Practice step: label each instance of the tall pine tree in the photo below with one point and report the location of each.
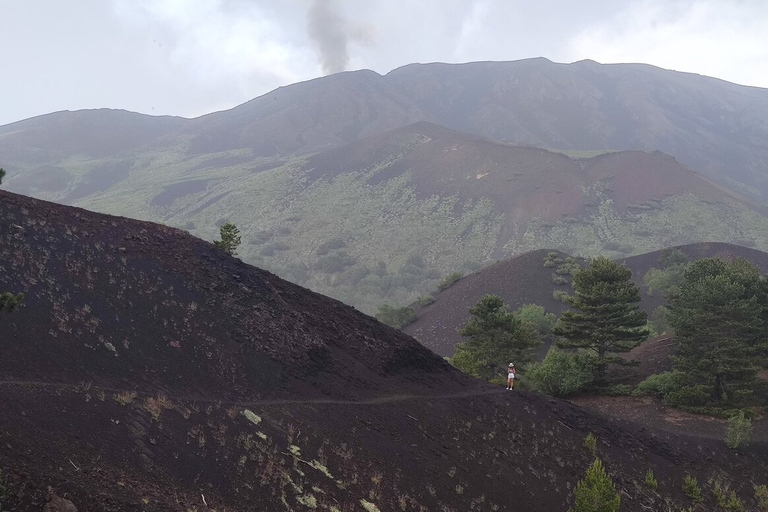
(604, 317)
(9, 301)
(496, 338)
(719, 316)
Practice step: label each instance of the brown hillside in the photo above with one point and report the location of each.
(146, 370)
(519, 280)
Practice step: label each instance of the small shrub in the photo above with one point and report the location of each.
(549, 263)
(650, 480)
(449, 280)
(560, 295)
(761, 496)
(561, 374)
(590, 443)
(395, 317)
(739, 430)
(425, 300)
(559, 280)
(596, 492)
(691, 489)
(659, 385)
(125, 398)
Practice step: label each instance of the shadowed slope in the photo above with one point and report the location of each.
(147, 370)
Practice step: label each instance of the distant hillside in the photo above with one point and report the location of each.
(525, 280)
(146, 370)
(383, 219)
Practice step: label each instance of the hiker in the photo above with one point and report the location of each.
(511, 376)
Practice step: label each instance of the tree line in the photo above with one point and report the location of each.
(717, 310)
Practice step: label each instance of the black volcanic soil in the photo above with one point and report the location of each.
(148, 371)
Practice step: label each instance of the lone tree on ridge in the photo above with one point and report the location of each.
(230, 238)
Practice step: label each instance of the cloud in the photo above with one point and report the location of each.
(230, 44)
(725, 39)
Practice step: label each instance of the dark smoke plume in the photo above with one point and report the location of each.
(328, 29)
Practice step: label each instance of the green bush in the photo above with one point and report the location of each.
(596, 492)
(650, 480)
(691, 489)
(761, 496)
(537, 317)
(659, 385)
(560, 295)
(739, 430)
(559, 280)
(590, 443)
(561, 374)
(449, 280)
(425, 300)
(395, 317)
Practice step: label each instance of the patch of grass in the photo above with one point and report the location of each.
(308, 500)
(156, 406)
(125, 397)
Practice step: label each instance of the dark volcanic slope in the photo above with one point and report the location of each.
(148, 371)
(524, 280)
(135, 304)
(519, 280)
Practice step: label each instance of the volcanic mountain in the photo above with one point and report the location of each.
(356, 185)
(147, 370)
(527, 279)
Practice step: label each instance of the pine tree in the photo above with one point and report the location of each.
(604, 316)
(596, 492)
(496, 338)
(719, 318)
(230, 238)
(2, 175)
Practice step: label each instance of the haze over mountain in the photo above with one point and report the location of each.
(148, 370)
(352, 185)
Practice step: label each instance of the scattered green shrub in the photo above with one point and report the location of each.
(761, 496)
(560, 295)
(692, 490)
(559, 280)
(449, 280)
(659, 385)
(650, 480)
(596, 492)
(561, 374)
(425, 300)
(395, 317)
(739, 430)
(590, 443)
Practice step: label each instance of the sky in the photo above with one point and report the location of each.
(192, 57)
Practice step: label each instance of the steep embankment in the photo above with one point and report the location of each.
(147, 370)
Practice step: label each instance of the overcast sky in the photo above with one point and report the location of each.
(191, 57)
